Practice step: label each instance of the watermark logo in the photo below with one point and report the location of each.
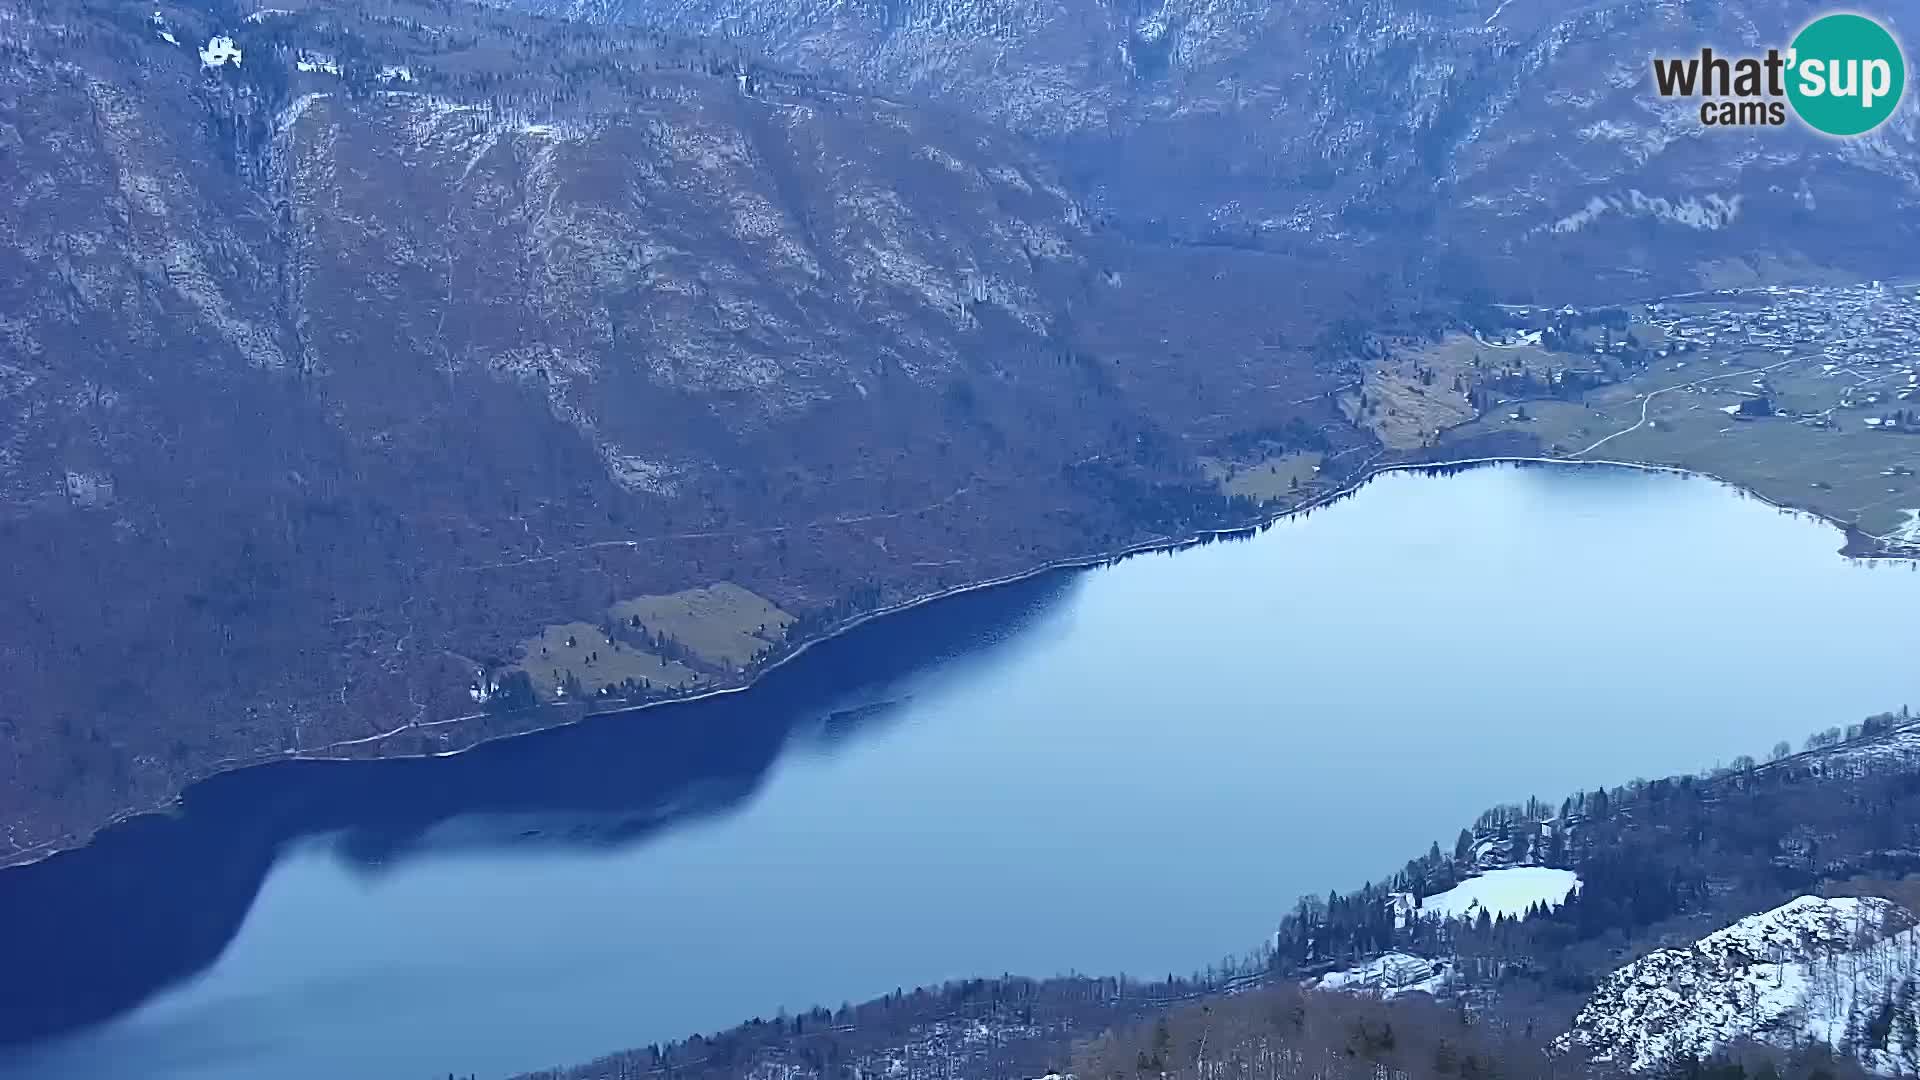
(1842, 75)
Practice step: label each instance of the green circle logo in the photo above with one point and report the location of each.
(1846, 74)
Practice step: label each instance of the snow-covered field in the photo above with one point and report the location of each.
(1835, 971)
(1506, 892)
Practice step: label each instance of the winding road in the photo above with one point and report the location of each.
(1647, 401)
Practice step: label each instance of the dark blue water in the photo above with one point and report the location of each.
(1136, 768)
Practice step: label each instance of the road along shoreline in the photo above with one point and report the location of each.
(1857, 546)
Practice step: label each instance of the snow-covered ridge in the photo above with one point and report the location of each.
(1898, 749)
(1837, 971)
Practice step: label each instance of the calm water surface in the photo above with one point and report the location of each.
(1136, 768)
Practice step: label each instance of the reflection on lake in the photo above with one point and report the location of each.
(1132, 768)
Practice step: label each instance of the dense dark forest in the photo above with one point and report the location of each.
(1006, 1028)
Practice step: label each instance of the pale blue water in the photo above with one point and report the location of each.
(1136, 768)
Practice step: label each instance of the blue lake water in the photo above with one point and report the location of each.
(1134, 768)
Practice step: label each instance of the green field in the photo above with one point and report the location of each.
(1837, 466)
(724, 624)
(1413, 395)
(1280, 477)
(589, 655)
(721, 626)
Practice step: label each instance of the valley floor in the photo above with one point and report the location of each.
(1806, 396)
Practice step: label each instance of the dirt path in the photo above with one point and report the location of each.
(1647, 401)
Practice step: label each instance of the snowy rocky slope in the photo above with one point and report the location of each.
(1836, 971)
(1528, 133)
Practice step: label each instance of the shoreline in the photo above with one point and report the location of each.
(28, 856)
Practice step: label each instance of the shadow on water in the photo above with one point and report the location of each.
(92, 933)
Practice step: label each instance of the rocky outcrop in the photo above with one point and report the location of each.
(1835, 971)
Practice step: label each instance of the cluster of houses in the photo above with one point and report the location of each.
(1866, 336)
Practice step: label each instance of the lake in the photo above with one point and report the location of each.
(1136, 768)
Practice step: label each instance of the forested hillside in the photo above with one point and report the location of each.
(350, 352)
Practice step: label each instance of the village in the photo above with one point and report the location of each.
(1861, 342)
(1808, 395)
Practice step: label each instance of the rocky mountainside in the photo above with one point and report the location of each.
(347, 351)
(1524, 136)
(1838, 972)
(377, 379)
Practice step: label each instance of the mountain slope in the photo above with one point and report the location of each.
(1526, 138)
(1838, 972)
(346, 353)
(360, 367)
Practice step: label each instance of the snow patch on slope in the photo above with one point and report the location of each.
(1388, 976)
(291, 115)
(1508, 892)
(219, 51)
(1705, 214)
(316, 62)
(1837, 971)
